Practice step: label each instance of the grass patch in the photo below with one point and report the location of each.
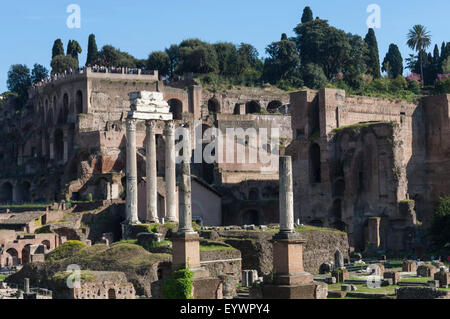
(356, 128)
(417, 279)
(3, 277)
(213, 247)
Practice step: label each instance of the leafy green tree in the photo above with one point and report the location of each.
(313, 76)
(73, 49)
(393, 62)
(61, 63)
(19, 80)
(282, 63)
(419, 39)
(307, 15)
(372, 57)
(92, 55)
(159, 60)
(38, 73)
(109, 56)
(58, 48)
(354, 66)
(323, 45)
(197, 56)
(227, 58)
(441, 224)
(446, 66)
(174, 56)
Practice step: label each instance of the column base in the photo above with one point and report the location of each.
(186, 250)
(313, 290)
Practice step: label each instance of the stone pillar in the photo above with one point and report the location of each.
(43, 146)
(151, 182)
(26, 285)
(52, 147)
(185, 201)
(66, 146)
(374, 233)
(171, 209)
(132, 213)
(286, 196)
(290, 280)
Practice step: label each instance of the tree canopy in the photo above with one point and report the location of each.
(393, 62)
(38, 73)
(159, 60)
(372, 56)
(63, 63)
(92, 55)
(58, 48)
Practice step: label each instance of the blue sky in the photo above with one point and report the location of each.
(29, 27)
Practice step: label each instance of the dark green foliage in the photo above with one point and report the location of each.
(38, 73)
(180, 286)
(73, 49)
(58, 48)
(372, 56)
(92, 55)
(174, 56)
(313, 76)
(67, 249)
(63, 63)
(441, 224)
(414, 87)
(197, 56)
(419, 39)
(160, 61)
(307, 15)
(227, 57)
(393, 62)
(109, 56)
(354, 66)
(282, 63)
(19, 80)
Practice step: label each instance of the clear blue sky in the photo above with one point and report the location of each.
(29, 27)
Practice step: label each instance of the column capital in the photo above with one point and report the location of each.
(150, 124)
(131, 124)
(169, 128)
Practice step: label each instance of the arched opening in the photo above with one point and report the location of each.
(159, 273)
(176, 108)
(46, 243)
(79, 102)
(314, 164)
(213, 106)
(337, 209)
(42, 115)
(59, 145)
(50, 117)
(339, 188)
(237, 109)
(314, 119)
(250, 217)
(65, 107)
(6, 192)
(26, 254)
(253, 194)
(12, 258)
(252, 107)
(274, 106)
(111, 294)
(23, 192)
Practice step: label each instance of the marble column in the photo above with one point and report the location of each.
(286, 195)
(171, 209)
(185, 200)
(132, 212)
(151, 181)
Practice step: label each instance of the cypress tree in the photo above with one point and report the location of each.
(372, 58)
(394, 60)
(58, 48)
(307, 15)
(92, 55)
(69, 47)
(284, 37)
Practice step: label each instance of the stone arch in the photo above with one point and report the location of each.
(252, 107)
(79, 102)
(176, 108)
(41, 114)
(273, 106)
(112, 293)
(6, 192)
(251, 217)
(22, 191)
(253, 194)
(59, 145)
(314, 118)
(237, 109)
(26, 256)
(315, 174)
(13, 257)
(65, 107)
(46, 243)
(336, 209)
(50, 117)
(213, 106)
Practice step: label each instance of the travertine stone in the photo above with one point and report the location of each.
(151, 185)
(132, 213)
(185, 207)
(171, 209)
(286, 196)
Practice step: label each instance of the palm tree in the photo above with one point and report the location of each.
(419, 39)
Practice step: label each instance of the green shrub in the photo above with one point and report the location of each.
(67, 249)
(441, 224)
(414, 87)
(180, 286)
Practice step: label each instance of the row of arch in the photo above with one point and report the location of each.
(19, 192)
(13, 258)
(251, 107)
(48, 109)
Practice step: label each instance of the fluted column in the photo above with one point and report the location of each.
(171, 208)
(286, 196)
(151, 182)
(132, 212)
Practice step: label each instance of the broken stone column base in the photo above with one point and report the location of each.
(207, 288)
(186, 250)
